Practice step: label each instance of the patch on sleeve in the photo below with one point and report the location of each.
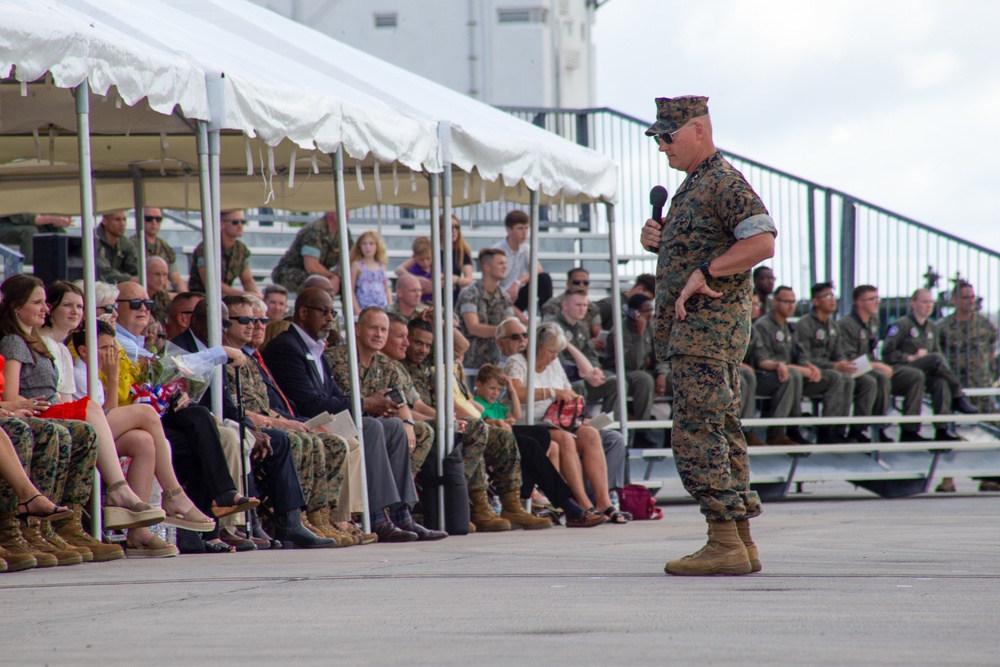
(893, 330)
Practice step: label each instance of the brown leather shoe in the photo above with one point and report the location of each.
(780, 440)
(752, 439)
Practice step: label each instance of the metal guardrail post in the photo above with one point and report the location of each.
(848, 254)
(828, 234)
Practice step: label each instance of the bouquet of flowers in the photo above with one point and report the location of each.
(171, 374)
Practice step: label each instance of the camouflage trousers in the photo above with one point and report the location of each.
(290, 277)
(321, 463)
(76, 486)
(485, 447)
(425, 442)
(40, 460)
(709, 449)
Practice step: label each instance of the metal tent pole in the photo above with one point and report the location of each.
(140, 232)
(529, 405)
(616, 316)
(82, 93)
(442, 423)
(210, 230)
(444, 136)
(347, 292)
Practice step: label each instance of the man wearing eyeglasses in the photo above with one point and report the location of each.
(234, 260)
(181, 309)
(152, 218)
(859, 332)
(716, 230)
(117, 258)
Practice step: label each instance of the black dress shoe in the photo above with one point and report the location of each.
(859, 436)
(912, 436)
(292, 533)
(236, 540)
(793, 433)
(962, 404)
(389, 532)
(945, 436)
(424, 534)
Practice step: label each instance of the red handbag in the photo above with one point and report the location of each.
(567, 415)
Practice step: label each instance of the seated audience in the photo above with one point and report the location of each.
(583, 445)
(577, 278)
(763, 286)
(518, 251)
(20, 229)
(303, 373)
(645, 283)
(117, 258)
(787, 382)
(157, 284)
(408, 303)
(858, 337)
(482, 306)
(152, 218)
(179, 315)
(276, 299)
(314, 252)
(234, 261)
(368, 262)
(912, 341)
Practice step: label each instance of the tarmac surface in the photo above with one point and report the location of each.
(847, 580)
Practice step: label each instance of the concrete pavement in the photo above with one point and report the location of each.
(846, 581)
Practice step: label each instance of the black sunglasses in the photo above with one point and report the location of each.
(246, 319)
(153, 218)
(517, 336)
(108, 308)
(585, 283)
(237, 222)
(136, 304)
(327, 312)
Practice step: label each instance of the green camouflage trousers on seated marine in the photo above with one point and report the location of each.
(39, 457)
(77, 476)
(484, 445)
(709, 449)
(425, 441)
(321, 462)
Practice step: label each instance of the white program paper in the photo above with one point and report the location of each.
(863, 366)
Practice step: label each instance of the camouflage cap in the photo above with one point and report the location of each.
(673, 112)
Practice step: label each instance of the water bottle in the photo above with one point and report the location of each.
(496, 504)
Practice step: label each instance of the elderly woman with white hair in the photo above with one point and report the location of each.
(580, 452)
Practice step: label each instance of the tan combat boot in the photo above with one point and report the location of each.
(17, 550)
(743, 529)
(723, 554)
(518, 518)
(483, 516)
(71, 530)
(15, 562)
(59, 543)
(32, 534)
(318, 522)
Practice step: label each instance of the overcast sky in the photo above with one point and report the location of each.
(896, 102)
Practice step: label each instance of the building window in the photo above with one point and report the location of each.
(386, 20)
(522, 15)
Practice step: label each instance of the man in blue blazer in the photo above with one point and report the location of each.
(296, 360)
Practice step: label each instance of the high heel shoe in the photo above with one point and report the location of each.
(59, 512)
(138, 515)
(193, 519)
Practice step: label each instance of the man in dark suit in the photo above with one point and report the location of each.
(273, 467)
(297, 362)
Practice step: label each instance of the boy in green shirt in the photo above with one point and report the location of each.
(490, 383)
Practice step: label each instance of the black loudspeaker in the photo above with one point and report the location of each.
(58, 257)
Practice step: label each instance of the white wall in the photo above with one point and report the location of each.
(544, 64)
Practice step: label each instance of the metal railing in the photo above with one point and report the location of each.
(11, 260)
(823, 233)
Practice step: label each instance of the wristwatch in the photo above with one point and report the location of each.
(409, 421)
(703, 267)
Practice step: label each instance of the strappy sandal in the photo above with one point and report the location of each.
(616, 516)
(193, 519)
(138, 515)
(226, 503)
(59, 512)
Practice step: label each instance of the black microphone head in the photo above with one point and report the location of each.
(658, 196)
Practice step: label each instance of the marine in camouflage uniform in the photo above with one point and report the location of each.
(859, 338)
(76, 478)
(161, 306)
(382, 373)
(713, 209)
(162, 249)
(314, 240)
(115, 263)
(970, 346)
(20, 230)
(234, 261)
(492, 309)
(320, 458)
(482, 445)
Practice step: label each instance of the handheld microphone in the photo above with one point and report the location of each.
(657, 198)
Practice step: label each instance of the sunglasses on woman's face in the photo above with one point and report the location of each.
(108, 308)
